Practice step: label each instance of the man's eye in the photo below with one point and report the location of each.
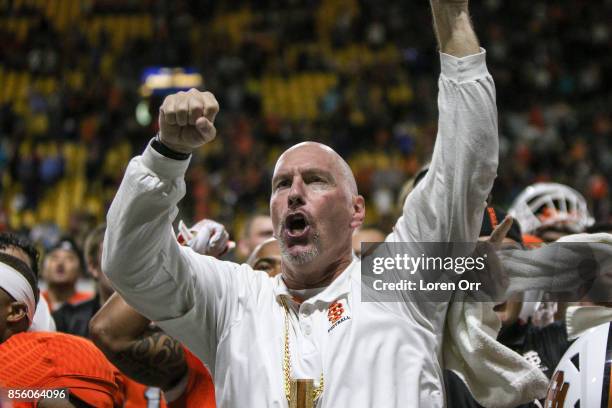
(263, 266)
(283, 183)
(316, 179)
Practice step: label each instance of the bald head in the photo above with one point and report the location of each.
(342, 168)
(315, 208)
(266, 257)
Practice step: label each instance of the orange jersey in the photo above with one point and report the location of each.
(78, 297)
(58, 360)
(138, 395)
(200, 391)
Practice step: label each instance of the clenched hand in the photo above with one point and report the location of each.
(186, 120)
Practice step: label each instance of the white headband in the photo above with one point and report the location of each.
(16, 285)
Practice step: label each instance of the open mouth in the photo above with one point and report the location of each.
(296, 225)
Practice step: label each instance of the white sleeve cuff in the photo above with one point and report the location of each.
(163, 166)
(464, 69)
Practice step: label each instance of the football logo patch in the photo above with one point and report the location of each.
(336, 315)
(335, 312)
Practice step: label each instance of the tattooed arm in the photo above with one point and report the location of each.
(148, 356)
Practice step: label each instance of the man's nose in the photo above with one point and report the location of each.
(296, 194)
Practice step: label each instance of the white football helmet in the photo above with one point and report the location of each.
(582, 377)
(551, 204)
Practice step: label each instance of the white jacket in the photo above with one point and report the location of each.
(377, 354)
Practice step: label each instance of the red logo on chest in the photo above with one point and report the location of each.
(335, 312)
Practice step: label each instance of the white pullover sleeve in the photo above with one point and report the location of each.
(447, 205)
(194, 298)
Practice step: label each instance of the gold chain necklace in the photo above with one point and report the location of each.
(316, 392)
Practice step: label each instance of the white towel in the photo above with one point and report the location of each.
(579, 319)
(495, 375)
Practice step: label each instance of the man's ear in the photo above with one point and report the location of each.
(358, 212)
(17, 312)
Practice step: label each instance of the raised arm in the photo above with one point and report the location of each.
(447, 204)
(190, 296)
(453, 28)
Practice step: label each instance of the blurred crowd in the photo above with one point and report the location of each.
(358, 75)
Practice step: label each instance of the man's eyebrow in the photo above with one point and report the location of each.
(306, 172)
(316, 171)
(280, 176)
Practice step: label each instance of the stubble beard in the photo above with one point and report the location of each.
(302, 257)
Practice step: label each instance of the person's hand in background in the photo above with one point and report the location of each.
(206, 237)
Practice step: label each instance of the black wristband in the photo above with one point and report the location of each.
(166, 151)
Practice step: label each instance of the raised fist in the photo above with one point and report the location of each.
(186, 120)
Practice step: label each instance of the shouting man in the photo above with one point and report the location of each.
(258, 335)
